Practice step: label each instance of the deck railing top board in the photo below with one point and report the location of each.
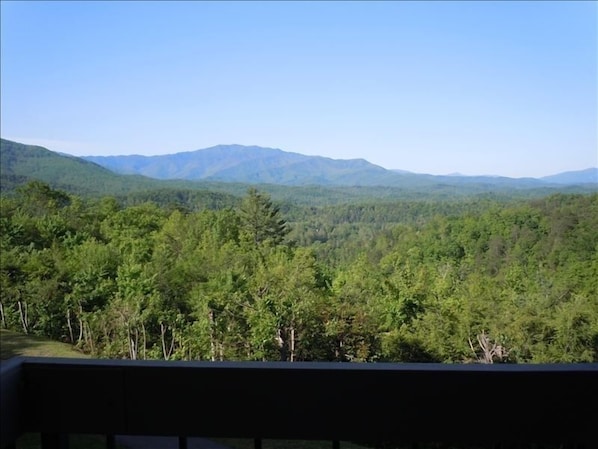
(313, 400)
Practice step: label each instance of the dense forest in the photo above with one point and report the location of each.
(471, 280)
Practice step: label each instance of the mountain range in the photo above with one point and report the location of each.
(221, 174)
(248, 164)
(254, 164)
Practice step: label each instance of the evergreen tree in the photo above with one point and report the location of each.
(261, 219)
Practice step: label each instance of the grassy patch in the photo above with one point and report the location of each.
(14, 344)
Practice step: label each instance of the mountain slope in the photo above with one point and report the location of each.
(589, 176)
(229, 170)
(251, 164)
(20, 163)
(259, 165)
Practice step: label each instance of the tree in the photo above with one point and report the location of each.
(261, 219)
(40, 199)
(283, 317)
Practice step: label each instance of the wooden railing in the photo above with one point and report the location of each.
(460, 403)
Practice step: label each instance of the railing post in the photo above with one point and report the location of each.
(257, 443)
(110, 442)
(11, 398)
(182, 442)
(336, 444)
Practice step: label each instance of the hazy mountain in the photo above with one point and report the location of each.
(21, 163)
(589, 176)
(222, 174)
(250, 164)
(253, 164)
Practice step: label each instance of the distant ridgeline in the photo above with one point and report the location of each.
(258, 165)
(219, 176)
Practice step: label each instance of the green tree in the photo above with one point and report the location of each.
(261, 219)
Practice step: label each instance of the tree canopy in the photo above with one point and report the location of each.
(480, 281)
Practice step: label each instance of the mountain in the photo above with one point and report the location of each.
(221, 175)
(587, 176)
(259, 165)
(250, 164)
(20, 163)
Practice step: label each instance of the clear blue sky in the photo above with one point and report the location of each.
(477, 87)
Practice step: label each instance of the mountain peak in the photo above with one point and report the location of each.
(252, 164)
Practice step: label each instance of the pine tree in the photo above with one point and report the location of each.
(261, 219)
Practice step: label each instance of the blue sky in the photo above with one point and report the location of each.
(476, 87)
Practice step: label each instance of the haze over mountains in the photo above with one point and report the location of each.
(254, 164)
(227, 170)
(249, 164)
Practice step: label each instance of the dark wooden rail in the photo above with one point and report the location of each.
(308, 401)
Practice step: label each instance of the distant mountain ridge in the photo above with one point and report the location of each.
(20, 163)
(250, 164)
(589, 175)
(226, 171)
(254, 164)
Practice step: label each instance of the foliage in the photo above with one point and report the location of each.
(261, 220)
(467, 281)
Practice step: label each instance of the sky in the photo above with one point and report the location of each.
(474, 87)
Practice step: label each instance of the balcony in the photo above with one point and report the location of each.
(410, 403)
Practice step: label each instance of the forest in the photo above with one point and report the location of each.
(474, 280)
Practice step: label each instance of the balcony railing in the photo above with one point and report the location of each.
(465, 403)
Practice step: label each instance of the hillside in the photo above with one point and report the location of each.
(20, 163)
(330, 181)
(251, 164)
(259, 165)
(589, 175)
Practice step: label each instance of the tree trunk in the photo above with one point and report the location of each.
(281, 345)
(80, 331)
(292, 344)
(132, 344)
(132, 349)
(165, 352)
(80, 324)
(2, 315)
(88, 336)
(68, 323)
(341, 350)
(212, 343)
(144, 341)
(162, 340)
(23, 316)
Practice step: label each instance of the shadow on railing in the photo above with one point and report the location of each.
(468, 404)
